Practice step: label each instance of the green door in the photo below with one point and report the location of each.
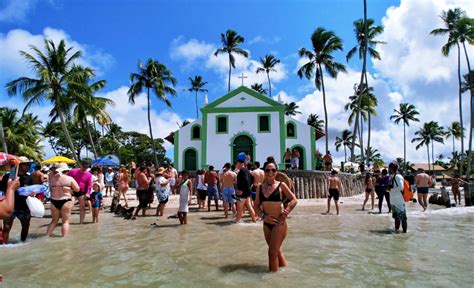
(190, 160)
(242, 143)
(302, 162)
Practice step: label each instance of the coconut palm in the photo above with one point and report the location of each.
(405, 113)
(345, 141)
(451, 20)
(314, 121)
(324, 44)
(259, 88)
(436, 133)
(454, 131)
(197, 85)
(156, 76)
(372, 155)
(373, 32)
(465, 86)
(54, 74)
(290, 109)
(422, 136)
(268, 65)
(230, 42)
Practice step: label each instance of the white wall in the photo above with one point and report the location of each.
(218, 145)
(249, 101)
(185, 142)
(303, 138)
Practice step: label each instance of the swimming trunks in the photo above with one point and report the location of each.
(334, 193)
(228, 194)
(142, 198)
(58, 204)
(423, 190)
(212, 192)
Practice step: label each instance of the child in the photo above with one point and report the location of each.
(96, 198)
(184, 198)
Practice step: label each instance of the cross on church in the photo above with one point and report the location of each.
(242, 77)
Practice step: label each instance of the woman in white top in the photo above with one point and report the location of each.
(184, 197)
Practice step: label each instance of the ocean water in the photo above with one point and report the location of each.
(356, 249)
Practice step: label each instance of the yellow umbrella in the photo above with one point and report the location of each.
(59, 159)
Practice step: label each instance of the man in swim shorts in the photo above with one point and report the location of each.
(211, 180)
(228, 181)
(335, 188)
(243, 190)
(423, 184)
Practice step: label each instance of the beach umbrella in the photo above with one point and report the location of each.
(5, 158)
(108, 160)
(58, 159)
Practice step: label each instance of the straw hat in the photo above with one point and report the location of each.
(161, 170)
(61, 167)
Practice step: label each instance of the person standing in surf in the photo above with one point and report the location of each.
(335, 188)
(186, 188)
(269, 205)
(399, 212)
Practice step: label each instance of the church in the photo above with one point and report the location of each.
(242, 121)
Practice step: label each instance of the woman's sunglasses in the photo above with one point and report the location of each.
(270, 170)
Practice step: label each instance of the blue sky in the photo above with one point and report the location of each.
(114, 35)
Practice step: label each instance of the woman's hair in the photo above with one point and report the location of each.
(267, 163)
(124, 172)
(142, 168)
(384, 171)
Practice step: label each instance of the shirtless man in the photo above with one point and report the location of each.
(257, 175)
(228, 180)
(423, 184)
(335, 188)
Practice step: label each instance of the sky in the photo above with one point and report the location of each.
(115, 35)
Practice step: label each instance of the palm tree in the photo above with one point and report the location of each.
(198, 86)
(450, 19)
(230, 42)
(345, 140)
(405, 113)
(371, 155)
(324, 43)
(423, 138)
(454, 131)
(259, 88)
(436, 133)
(465, 86)
(314, 121)
(54, 72)
(373, 32)
(154, 76)
(290, 109)
(268, 65)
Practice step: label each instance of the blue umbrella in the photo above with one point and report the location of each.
(109, 160)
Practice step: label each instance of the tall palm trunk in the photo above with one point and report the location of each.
(2, 134)
(460, 109)
(197, 112)
(98, 141)
(68, 136)
(325, 108)
(454, 148)
(432, 154)
(90, 138)
(345, 155)
(369, 120)
(269, 84)
(471, 84)
(151, 131)
(364, 64)
(230, 67)
(428, 150)
(361, 141)
(405, 168)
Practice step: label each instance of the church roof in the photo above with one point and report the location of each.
(262, 100)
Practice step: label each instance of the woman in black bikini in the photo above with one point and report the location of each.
(61, 187)
(269, 205)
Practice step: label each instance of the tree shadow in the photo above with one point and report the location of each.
(251, 268)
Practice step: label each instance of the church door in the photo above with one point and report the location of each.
(190, 160)
(302, 161)
(242, 143)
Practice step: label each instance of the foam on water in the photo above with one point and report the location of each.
(444, 212)
(11, 246)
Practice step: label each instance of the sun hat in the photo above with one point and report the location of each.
(241, 157)
(23, 159)
(61, 167)
(161, 170)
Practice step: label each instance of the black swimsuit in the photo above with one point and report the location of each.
(58, 204)
(274, 197)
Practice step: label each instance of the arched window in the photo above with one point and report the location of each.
(290, 130)
(196, 132)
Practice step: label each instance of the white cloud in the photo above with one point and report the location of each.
(261, 39)
(190, 51)
(16, 10)
(13, 65)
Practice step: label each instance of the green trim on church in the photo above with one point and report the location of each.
(249, 91)
(313, 147)
(176, 148)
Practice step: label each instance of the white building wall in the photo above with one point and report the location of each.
(243, 100)
(219, 145)
(186, 142)
(303, 138)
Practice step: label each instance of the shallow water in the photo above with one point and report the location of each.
(353, 250)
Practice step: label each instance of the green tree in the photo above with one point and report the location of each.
(345, 141)
(54, 73)
(197, 85)
(290, 109)
(454, 131)
(259, 88)
(22, 133)
(230, 42)
(436, 133)
(268, 65)
(422, 136)
(314, 121)
(158, 77)
(324, 44)
(373, 32)
(406, 113)
(372, 155)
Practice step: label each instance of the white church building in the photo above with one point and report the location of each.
(242, 121)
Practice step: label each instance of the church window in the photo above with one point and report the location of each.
(196, 132)
(290, 130)
(221, 123)
(264, 123)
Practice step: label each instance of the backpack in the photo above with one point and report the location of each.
(407, 192)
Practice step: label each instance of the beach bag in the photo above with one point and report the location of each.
(35, 206)
(407, 192)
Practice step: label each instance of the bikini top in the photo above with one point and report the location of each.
(274, 197)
